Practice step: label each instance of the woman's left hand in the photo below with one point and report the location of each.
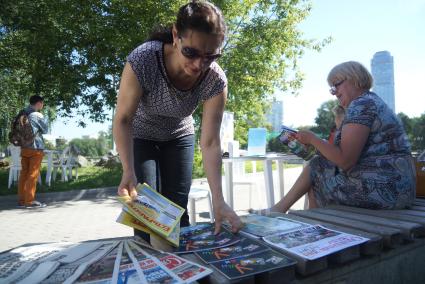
(305, 137)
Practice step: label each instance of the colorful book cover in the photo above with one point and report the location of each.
(314, 241)
(243, 248)
(259, 262)
(261, 226)
(201, 237)
(127, 219)
(154, 210)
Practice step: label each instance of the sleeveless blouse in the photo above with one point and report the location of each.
(164, 112)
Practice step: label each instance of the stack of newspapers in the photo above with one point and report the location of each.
(152, 213)
(114, 261)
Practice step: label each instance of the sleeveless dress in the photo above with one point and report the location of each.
(384, 176)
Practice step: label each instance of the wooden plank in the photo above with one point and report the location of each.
(392, 237)
(408, 229)
(385, 214)
(372, 247)
(418, 208)
(419, 201)
(409, 212)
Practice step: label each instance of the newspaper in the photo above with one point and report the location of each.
(19, 261)
(104, 270)
(185, 270)
(149, 269)
(67, 273)
(314, 241)
(260, 226)
(154, 210)
(127, 219)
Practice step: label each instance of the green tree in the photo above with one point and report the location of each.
(418, 133)
(72, 52)
(325, 119)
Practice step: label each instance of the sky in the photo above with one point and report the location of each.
(359, 29)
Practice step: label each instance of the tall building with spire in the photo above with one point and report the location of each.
(382, 65)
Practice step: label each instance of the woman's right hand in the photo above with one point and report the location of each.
(128, 185)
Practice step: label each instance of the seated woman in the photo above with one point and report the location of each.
(370, 164)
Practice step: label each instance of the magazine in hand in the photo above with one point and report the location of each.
(259, 226)
(303, 151)
(127, 219)
(243, 248)
(201, 237)
(154, 210)
(252, 264)
(313, 242)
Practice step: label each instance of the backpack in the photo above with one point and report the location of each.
(21, 133)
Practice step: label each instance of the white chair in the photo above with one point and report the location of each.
(240, 177)
(197, 193)
(65, 163)
(15, 167)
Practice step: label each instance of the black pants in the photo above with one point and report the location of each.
(167, 167)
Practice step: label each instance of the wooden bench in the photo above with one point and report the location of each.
(395, 252)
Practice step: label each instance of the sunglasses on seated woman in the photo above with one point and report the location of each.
(193, 53)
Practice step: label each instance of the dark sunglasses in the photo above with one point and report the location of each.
(193, 53)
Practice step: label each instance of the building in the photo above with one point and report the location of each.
(382, 65)
(275, 117)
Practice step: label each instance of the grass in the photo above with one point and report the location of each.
(89, 177)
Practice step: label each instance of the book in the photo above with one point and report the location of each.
(303, 151)
(259, 226)
(252, 264)
(127, 219)
(154, 210)
(201, 237)
(313, 242)
(245, 247)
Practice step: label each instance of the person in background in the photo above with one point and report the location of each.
(370, 164)
(163, 82)
(339, 114)
(32, 155)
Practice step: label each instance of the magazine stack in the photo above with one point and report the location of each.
(152, 213)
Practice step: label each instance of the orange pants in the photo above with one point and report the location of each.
(31, 164)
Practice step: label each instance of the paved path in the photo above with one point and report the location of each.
(91, 215)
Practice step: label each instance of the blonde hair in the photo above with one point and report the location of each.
(352, 71)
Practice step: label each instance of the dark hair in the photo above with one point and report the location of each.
(35, 99)
(200, 16)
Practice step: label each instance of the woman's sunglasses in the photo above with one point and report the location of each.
(193, 53)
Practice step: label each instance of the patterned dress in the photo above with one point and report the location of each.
(384, 176)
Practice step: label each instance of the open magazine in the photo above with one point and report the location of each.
(313, 242)
(258, 226)
(154, 210)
